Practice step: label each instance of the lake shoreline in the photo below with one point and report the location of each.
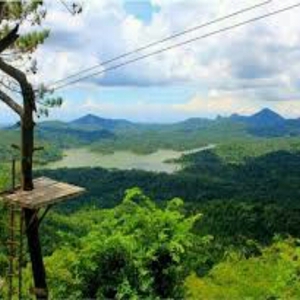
(160, 161)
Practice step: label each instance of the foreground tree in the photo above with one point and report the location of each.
(133, 251)
(18, 93)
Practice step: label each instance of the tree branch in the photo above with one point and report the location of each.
(21, 78)
(11, 103)
(13, 72)
(9, 39)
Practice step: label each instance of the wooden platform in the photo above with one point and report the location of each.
(46, 192)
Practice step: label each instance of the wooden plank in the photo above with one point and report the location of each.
(59, 196)
(46, 192)
(43, 181)
(51, 193)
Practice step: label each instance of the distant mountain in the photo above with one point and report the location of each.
(91, 128)
(92, 122)
(14, 126)
(196, 122)
(70, 134)
(111, 134)
(5, 125)
(265, 117)
(265, 123)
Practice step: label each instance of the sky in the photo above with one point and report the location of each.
(239, 71)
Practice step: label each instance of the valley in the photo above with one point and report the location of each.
(225, 190)
(149, 150)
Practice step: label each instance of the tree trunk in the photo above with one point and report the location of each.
(31, 219)
(27, 149)
(36, 257)
(27, 145)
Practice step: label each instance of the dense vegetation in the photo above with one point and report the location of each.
(272, 275)
(109, 136)
(133, 251)
(244, 246)
(224, 173)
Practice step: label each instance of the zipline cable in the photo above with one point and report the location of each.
(174, 36)
(228, 28)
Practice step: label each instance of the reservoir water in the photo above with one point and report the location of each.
(123, 160)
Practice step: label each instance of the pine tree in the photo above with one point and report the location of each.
(17, 48)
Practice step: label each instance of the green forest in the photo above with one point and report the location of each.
(226, 226)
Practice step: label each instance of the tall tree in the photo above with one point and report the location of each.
(18, 93)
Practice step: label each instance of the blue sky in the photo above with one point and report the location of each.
(241, 71)
(142, 9)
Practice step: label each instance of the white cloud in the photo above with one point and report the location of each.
(142, 111)
(216, 105)
(244, 68)
(105, 30)
(288, 108)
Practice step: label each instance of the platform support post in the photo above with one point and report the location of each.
(32, 232)
(35, 250)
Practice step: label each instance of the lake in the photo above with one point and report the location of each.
(123, 160)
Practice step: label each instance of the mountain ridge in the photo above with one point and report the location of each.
(263, 114)
(109, 135)
(264, 117)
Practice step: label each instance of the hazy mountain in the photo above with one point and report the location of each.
(265, 117)
(91, 129)
(194, 123)
(93, 122)
(265, 123)
(4, 125)
(66, 134)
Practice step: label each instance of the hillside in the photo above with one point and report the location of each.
(92, 122)
(247, 194)
(246, 191)
(267, 123)
(108, 135)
